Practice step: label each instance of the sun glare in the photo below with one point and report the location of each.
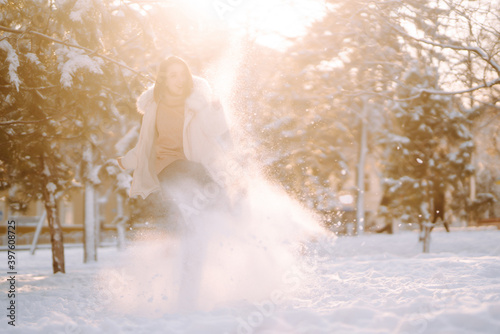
(269, 22)
(272, 22)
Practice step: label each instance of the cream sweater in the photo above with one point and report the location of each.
(169, 125)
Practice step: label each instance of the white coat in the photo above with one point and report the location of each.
(205, 137)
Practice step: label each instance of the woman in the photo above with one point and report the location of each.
(182, 140)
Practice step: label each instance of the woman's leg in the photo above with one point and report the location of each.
(190, 189)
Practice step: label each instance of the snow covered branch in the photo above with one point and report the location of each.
(20, 122)
(463, 91)
(92, 52)
(480, 52)
(457, 47)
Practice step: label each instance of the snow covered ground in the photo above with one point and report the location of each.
(367, 284)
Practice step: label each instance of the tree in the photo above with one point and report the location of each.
(351, 70)
(429, 151)
(69, 80)
(59, 85)
(459, 40)
(330, 87)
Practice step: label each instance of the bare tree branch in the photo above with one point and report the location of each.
(480, 52)
(463, 91)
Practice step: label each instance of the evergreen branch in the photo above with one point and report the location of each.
(21, 122)
(30, 88)
(39, 88)
(91, 52)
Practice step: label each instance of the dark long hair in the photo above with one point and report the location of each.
(161, 77)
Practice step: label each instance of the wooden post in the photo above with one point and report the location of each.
(38, 231)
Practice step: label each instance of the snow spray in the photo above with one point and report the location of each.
(222, 255)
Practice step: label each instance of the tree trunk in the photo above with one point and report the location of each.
(471, 219)
(425, 211)
(120, 224)
(426, 240)
(360, 177)
(56, 234)
(89, 230)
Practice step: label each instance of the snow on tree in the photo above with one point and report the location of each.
(325, 101)
(429, 153)
(59, 87)
(458, 41)
(352, 69)
(71, 72)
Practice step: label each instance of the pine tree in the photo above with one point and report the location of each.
(326, 99)
(59, 86)
(428, 153)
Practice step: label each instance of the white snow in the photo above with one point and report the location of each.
(51, 187)
(13, 61)
(33, 58)
(87, 154)
(123, 181)
(60, 3)
(81, 8)
(93, 174)
(366, 284)
(71, 60)
(393, 138)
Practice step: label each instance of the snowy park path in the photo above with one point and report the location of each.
(368, 284)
